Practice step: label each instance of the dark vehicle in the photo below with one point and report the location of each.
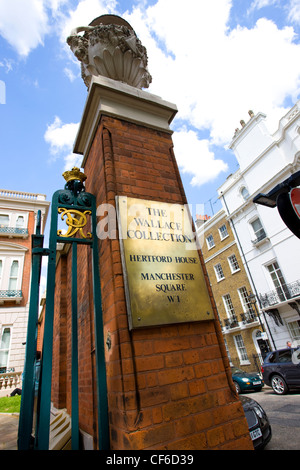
(258, 423)
(281, 370)
(246, 381)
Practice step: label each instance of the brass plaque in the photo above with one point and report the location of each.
(164, 281)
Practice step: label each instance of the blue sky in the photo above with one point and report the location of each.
(215, 59)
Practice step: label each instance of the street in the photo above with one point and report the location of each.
(284, 416)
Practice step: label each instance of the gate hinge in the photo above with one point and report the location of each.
(41, 251)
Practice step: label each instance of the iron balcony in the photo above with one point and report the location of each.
(280, 294)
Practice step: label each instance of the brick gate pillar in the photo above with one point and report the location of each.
(169, 386)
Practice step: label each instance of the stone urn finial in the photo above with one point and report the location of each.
(110, 47)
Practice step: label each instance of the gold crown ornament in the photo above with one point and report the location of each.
(74, 174)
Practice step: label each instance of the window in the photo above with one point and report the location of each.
(13, 278)
(245, 193)
(278, 281)
(245, 299)
(284, 356)
(4, 347)
(233, 263)
(11, 273)
(228, 305)
(4, 220)
(210, 241)
(249, 314)
(20, 221)
(241, 349)
(258, 230)
(14, 224)
(219, 272)
(223, 232)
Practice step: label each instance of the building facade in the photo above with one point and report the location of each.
(242, 328)
(269, 250)
(18, 211)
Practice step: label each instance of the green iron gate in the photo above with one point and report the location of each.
(76, 205)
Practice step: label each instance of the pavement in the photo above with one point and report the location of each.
(9, 424)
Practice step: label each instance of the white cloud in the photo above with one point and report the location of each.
(85, 12)
(7, 64)
(195, 158)
(294, 11)
(72, 160)
(258, 4)
(23, 23)
(215, 75)
(70, 74)
(61, 138)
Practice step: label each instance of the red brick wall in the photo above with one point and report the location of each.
(59, 376)
(168, 387)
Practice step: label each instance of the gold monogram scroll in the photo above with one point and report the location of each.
(75, 221)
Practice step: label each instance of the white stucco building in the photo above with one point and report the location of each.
(18, 215)
(269, 250)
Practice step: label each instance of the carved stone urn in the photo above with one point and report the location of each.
(109, 47)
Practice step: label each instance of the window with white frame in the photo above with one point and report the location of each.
(13, 224)
(223, 232)
(233, 263)
(278, 281)
(258, 230)
(219, 272)
(244, 297)
(4, 220)
(13, 277)
(4, 346)
(245, 193)
(228, 305)
(20, 221)
(241, 349)
(11, 270)
(210, 241)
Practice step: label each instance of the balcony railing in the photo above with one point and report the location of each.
(13, 231)
(22, 195)
(14, 295)
(280, 294)
(10, 380)
(261, 236)
(235, 321)
(231, 322)
(248, 317)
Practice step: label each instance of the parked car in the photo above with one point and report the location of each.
(281, 370)
(258, 423)
(246, 381)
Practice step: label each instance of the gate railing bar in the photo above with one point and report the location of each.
(43, 414)
(103, 424)
(75, 409)
(28, 382)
